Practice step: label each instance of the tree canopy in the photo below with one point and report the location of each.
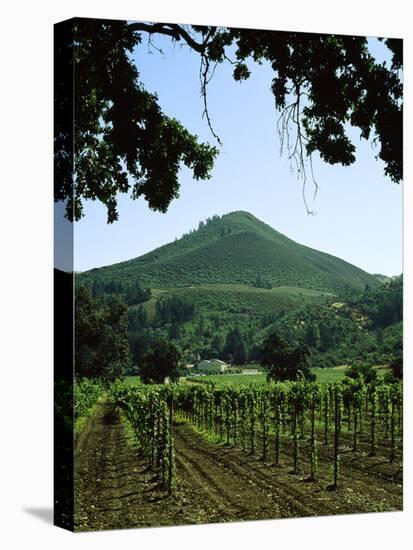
(283, 361)
(366, 372)
(160, 361)
(101, 335)
(124, 142)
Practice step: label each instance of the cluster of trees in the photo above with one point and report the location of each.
(213, 218)
(160, 361)
(110, 337)
(196, 333)
(211, 226)
(235, 350)
(262, 282)
(320, 327)
(334, 333)
(172, 313)
(222, 337)
(369, 374)
(137, 319)
(367, 328)
(131, 291)
(283, 361)
(383, 305)
(102, 344)
(101, 335)
(225, 231)
(174, 309)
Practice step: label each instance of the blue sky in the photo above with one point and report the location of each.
(359, 210)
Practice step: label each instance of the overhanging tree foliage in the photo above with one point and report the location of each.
(125, 143)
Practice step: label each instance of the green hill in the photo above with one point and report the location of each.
(218, 290)
(236, 249)
(382, 278)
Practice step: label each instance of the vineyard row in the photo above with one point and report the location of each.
(262, 418)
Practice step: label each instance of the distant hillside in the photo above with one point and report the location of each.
(236, 248)
(218, 290)
(382, 278)
(367, 327)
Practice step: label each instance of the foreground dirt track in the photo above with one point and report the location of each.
(215, 483)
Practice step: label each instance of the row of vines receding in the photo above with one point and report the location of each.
(293, 419)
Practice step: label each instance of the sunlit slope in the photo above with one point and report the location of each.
(237, 249)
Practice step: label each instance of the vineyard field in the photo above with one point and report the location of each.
(335, 374)
(199, 453)
(323, 376)
(232, 379)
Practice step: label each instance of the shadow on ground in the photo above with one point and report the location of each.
(44, 514)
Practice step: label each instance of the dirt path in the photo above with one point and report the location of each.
(217, 493)
(113, 487)
(367, 484)
(215, 483)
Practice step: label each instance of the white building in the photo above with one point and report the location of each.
(211, 366)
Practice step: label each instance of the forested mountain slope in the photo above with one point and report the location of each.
(236, 248)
